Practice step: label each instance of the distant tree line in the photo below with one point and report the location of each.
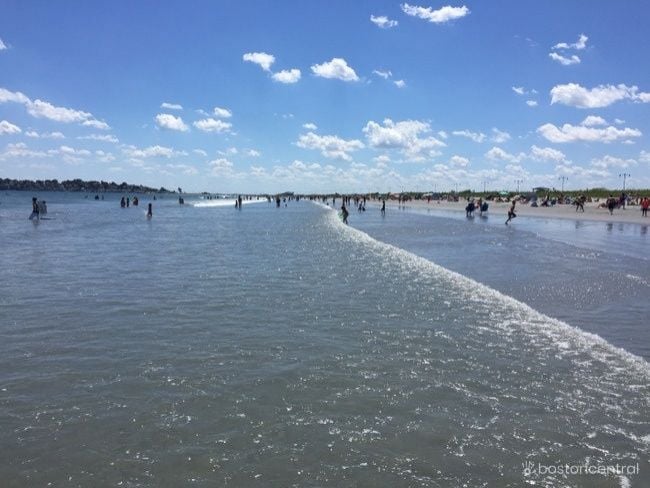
(77, 185)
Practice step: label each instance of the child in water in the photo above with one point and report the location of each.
(344, 214)
(511, 212)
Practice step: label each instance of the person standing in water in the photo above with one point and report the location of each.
(383, 207)
(239, 200)
(150, 211)
(35, 212)
(344, 214)
(511, 212)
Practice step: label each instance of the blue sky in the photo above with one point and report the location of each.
(323, 96)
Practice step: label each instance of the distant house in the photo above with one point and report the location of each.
(541, 189)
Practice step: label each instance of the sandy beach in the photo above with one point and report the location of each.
(632, 214)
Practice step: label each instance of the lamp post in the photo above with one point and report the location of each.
(563, 179)
(624, 176)
(484, 184)
(518, 183)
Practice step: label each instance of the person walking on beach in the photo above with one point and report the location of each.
(645, 204)
(611, 203)
(35, 212)
(344, 214)
(511, 212)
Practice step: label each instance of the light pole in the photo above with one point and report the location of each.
(518, 183)
(625, 176)
(563, 179)
(484, 184)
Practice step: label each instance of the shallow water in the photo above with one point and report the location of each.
(277, 347)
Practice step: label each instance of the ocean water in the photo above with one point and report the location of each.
(211, 346)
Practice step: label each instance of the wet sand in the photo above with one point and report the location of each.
(632, 214)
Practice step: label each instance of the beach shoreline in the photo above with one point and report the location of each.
(631, 215)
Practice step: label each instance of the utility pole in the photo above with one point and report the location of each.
(625, 176)
(563, 179)
(518, 183)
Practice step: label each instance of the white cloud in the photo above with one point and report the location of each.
(444, 14)
(3, 46)
(608, 161)
(519, 90)
(574, 95)
(309, 126)
(404, 136)
(383, 22)
(200, 152)
(264, 60)
(593, 120)
(221, 167)
(171, 106)
(41, 109)
(384, 74)
(572, 133)
(337, 68)
(151, 152)
(459, 161)
(253, 153)
(475, 136)
(644, 157)
(563, 60)
(100, 137)
(222, 113)
(330, 146)
(531, 103)
(287, 76)
(213, 125)
(443, 134)
(97, 124)
(546, 154)
(400, 83)
(16, 97)
(498, 154)
(168, 121)
(580, 44)
(499, 136)
(104, 157)
(20, 150)
(45, 135)
(619, 121)
(7, 127)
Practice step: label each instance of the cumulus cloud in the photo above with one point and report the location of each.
(151, 152)
(383, 22)
(406, 136)
(383, 74)
(253, 153)
(330, 146)
(100, 137)
(575, 133)
(3, 46)
(7, 127)
(563, 59)
(442, 15)
(213, 125)
(41, 109)
(97, 124)
(546, 154)
(171, 106)
(574, 95)
(20, 150)
(264, 60)
(499, 136)
(474, 136)
(287, 76)
(519, 90)
(498, 154)
(580, 44)
(221, 167)
(200, 152)
(608, 161)
(15, 97)
(593, 120)
(169, 122)
(222, 113)
(458, 161)
(337, 68)
(400, 83)
(531, 103)
(309, 126)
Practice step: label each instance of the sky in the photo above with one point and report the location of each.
(324, 96)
